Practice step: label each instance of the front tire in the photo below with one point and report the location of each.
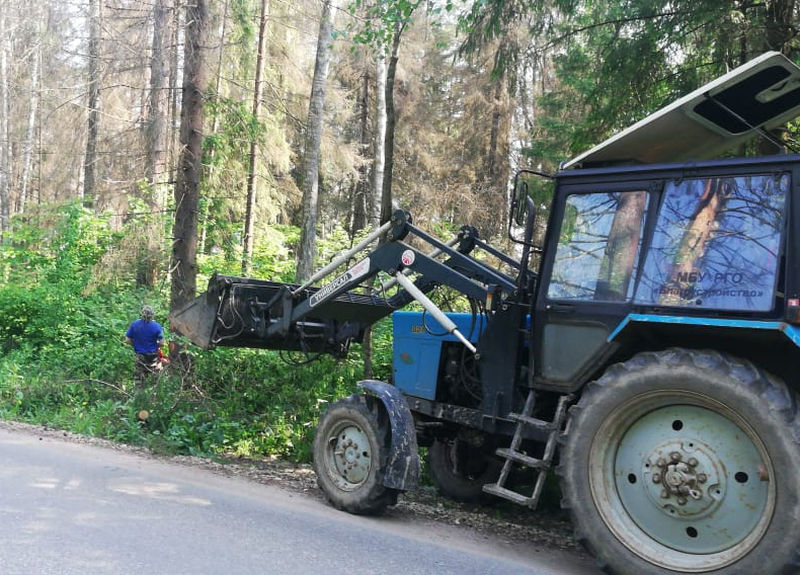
(685, 462)
(350, 451)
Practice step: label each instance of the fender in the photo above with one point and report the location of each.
(777, 327)
(402, 467)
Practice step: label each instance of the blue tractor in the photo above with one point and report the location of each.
(645, 348)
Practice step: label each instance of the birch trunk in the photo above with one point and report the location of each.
(93, 105)
(391, 119)
(308, 238)
(30, 133)
(5, 142)
(380, 142)
(360, 207)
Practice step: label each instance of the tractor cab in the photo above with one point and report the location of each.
(650, 242)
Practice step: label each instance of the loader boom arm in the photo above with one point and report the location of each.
(244, 312)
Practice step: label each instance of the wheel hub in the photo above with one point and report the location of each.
(691, 479)
(350, 456)
(684, 478)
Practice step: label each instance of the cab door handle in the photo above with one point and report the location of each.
(562, 308)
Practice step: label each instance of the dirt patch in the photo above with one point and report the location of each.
(548, 527)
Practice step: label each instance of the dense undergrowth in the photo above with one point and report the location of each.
(67, 296)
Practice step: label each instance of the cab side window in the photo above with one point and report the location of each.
(716, 244)
(598, 247)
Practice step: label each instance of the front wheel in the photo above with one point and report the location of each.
(684, 462)
(350, 451)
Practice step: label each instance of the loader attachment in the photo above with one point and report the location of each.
(239, 312)
(196, 321)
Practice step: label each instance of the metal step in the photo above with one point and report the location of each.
(521, 458)
(539, 424)
(512, 454)
(517, 498)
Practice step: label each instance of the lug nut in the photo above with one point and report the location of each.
(675, 456)
(656, 478)
(693, 462)
(681, 501)
(702, 477)
(661, 462)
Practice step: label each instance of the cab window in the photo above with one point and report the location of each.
(598, 246)
(716, 244)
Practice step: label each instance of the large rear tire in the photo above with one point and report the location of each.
(685, 462)
(350, 451)
(460, 470)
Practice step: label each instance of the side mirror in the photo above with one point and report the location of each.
(519, 204)
(531, 188)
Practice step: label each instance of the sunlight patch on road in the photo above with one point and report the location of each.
(163, 491)
(46, 482)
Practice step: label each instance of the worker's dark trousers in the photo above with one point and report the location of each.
(146, 365)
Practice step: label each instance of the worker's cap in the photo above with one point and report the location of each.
(147, 312)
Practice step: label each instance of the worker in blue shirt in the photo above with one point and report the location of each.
(146, 336)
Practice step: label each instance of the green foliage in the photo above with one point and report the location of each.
(273, 256)
(62, 362)
(54, 243)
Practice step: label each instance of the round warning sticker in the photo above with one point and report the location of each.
(408, 257)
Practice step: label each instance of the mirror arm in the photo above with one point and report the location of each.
(527, 243)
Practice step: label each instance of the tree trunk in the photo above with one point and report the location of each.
(30, 131)
(215, 122)
(780, 30)
(308, 238)
(362, 206)
(386, 192)
(173, 136)
(495, 174)
(184, 246)
(5, 142)
(360, 198)
(156, 144)
(252, 183)
(694, 242)
(616, 269)
(220, 60)
(781, 27)
(380, 142)
(156, 128)
(93, 105)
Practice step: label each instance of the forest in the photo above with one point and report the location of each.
(147, 144)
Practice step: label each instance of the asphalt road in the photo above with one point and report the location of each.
(68, 508)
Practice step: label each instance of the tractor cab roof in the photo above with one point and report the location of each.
(736, 107)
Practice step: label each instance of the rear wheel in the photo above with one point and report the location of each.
(460, 470)
(350, 450)
(683, 462)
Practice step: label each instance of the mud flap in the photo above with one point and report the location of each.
(402, 468)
